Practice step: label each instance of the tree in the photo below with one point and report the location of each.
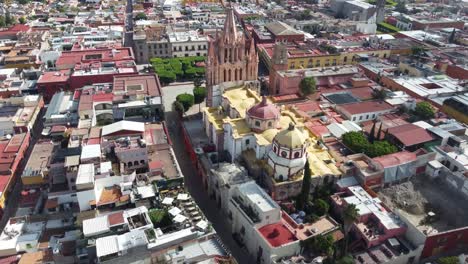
(319, 244)
(199, 94)
(350, 214)
(448, 260)
(141, 16)
(417, 51)
(379, 148)
(9, 20)
(379, 133)
(452, 37)
(22, 20)
(198, 81)
(379, 94)
(321, 207)
(356, 141)
(307, 86)
(424, 110)
(178, 107)
(401, 7)
(306, 181)
(187, 101)
(372, 133)
(2, 21)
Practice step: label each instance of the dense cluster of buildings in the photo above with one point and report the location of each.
(88, 171)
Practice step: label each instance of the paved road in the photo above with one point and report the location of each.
(193, 182)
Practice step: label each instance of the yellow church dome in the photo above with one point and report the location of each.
(291, 137)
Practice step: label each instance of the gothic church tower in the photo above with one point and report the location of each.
(232, 60)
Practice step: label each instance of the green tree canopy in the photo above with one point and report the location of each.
(320, 244)
(22, 20)
(2, 21)
(141, 16)
(198, 81)
(321, 207)
(199, 94)
(306, 182)
(401, 7)
(187, 100)
(350, 215)
(424, 110)
(307, 86)
(178, 107)
(356, 141)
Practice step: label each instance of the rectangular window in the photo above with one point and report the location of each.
(360, 118)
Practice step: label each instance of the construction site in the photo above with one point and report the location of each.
(428, 204)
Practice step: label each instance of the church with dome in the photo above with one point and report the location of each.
(272, 141)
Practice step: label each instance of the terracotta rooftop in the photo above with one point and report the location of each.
(396, 159)
(39, 257)
(410, 134)
(51, 203)
(277, 234)
(88, 55)
(147, 84)
(110, 195)
(366, 107)
(115, 219)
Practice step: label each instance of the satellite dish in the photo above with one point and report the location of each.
(8, 136)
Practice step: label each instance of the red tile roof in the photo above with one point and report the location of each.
(115, 219)
(277, 234)
(106, 54)
(395, 159)
(53, 77)
(366, 107)
(410, 134)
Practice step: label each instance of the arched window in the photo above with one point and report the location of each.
(275, 149)
(257, 123)
(296, 155)
(284, 154)
(142, 161)
(136, 163)
(130, 164)
(270, 124)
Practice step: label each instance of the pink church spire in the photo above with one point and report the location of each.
(230, 30)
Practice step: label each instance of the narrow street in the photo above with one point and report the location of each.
(15, 195)
(194, 186)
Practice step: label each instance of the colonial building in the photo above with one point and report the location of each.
(232, 61)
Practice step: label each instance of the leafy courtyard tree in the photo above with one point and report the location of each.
(307, 86)
(401, 7)
(424, 110)
(141, 16)
(306, 181)
(319, 244)
(22, 20)
(199, 94)
(187, 100)
(321, 207)
(350, 214)
(178, 107)
(356, 141)
(380, 94)
(198, 81)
